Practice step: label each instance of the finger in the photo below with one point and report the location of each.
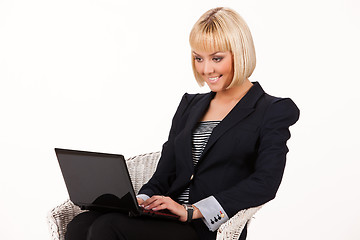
(151, 200)
(162, 203)
(160, 207)
(158, 202)
(140, 200)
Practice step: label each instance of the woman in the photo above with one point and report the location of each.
(226, 149)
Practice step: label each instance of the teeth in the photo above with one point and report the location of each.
(213, 79)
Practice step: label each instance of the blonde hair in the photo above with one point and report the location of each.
(223, 29)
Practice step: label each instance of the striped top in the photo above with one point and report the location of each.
(200, 138)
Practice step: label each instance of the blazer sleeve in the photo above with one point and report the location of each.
(164, 175)
(261, 186)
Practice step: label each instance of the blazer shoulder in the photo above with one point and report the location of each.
(187, 100)
(189, 97)
(282, 107)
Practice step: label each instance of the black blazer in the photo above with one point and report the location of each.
(243, 162)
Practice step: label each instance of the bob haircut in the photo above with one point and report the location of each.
(223, 29)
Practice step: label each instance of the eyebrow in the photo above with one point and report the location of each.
(210, 54)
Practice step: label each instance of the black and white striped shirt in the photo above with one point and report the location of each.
(200, 138)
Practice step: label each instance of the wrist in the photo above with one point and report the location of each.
(190, 212)
(197, 214)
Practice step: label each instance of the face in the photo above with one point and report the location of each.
(216, 69)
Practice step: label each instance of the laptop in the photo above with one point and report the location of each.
(101, 181)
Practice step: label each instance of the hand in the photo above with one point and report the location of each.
(140, 201)
(157, 203)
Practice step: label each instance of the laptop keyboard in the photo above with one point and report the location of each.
(162, 213)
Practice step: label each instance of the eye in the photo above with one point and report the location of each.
(217, 59)
(198, 59)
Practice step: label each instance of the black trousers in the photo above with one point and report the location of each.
(94, 225)
(119, 226)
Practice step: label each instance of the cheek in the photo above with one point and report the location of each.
(228, 68)
(198, 68)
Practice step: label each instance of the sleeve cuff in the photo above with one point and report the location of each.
(214, 214)
(143, 196)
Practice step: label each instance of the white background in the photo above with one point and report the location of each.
(108, 75)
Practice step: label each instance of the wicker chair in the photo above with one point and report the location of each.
(141, 168)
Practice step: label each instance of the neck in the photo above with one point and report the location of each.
(236, 93)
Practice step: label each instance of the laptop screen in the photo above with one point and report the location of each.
(97, 180)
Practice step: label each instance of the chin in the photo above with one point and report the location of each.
(217, 88)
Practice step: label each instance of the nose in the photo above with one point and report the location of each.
(208, 68)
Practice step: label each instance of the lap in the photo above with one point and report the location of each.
(95, 225)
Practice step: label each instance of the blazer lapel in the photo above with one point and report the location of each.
(241, 110)
(198, 111)
(195, 114)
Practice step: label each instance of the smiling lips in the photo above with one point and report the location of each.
(214, 79)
